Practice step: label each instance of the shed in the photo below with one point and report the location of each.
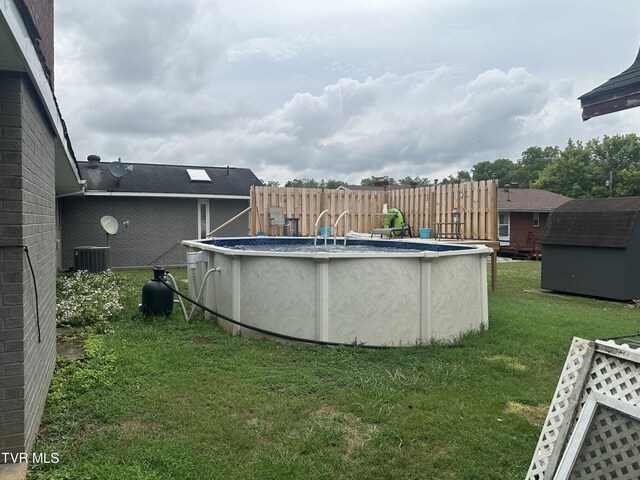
(592, 247)
(617, 93)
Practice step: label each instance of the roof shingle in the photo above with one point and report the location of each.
(593, 222)
(169, 179)
(529, 200)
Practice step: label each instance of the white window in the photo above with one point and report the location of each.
(203, 218)
(503, 228)
(536, 219)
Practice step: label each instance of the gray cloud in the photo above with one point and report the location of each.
(140, 42)
(340, 89)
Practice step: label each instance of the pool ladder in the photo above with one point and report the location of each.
(324, 213)
(346, 216)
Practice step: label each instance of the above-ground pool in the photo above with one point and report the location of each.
(374, 292)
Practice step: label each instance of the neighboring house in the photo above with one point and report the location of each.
(37, 165)
(522, 214)
(161, 205)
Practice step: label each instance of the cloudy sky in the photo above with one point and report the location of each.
(336, 89)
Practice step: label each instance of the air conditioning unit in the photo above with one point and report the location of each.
(93, 259)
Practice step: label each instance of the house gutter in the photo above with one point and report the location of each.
(33, 67)
(73, 194)
(525, 210)
(105, 193)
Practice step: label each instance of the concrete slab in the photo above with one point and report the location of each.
(13, 471)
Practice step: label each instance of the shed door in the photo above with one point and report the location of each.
(504, 228)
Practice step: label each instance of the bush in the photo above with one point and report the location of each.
(86, 298)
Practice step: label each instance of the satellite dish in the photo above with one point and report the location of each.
(118, 170)
(110, 224)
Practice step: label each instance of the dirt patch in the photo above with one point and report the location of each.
(355, 432)
(259, 424)
(534, 415)
(508, 361)
(70, 343)
(136, 426)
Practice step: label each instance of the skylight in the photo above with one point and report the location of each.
(196, 175)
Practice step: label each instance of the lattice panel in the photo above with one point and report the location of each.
(611, 448)
(615, 377)
(613, 371)
(559, 408)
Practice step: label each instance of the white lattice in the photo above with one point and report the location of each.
(613, 376)
(603, 367)
(611, 448)
(561, 402)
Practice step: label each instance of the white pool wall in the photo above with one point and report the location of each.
(377, 299)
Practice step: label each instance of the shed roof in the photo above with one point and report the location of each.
(529, 200)
(170, 180)
(617, 93)
(593, 222)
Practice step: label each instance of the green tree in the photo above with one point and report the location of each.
(303, 183)
(630, 181)
(332, 183)
(312, 183)
(619, 155)
(418, 181)
(270, 183)
(573, 173)
(533, 161)
(500, 169)
(371, 181)
(463, 176)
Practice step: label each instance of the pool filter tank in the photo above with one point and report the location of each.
(157, 298)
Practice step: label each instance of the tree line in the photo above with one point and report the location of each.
(597, 168)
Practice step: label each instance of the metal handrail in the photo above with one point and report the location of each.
(346, 216)
(315, 227)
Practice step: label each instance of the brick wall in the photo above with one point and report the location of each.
(156, 227)
(27, 217)
(521, 223)
(222, 211)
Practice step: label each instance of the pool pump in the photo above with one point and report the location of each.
(157, 298)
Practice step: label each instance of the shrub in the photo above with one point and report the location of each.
(86, 298)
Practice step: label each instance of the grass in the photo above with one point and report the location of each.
(160, 398)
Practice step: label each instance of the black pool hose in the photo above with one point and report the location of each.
(269, 332)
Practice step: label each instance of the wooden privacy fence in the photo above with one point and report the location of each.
(423, 207)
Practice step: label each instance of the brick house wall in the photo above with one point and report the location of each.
(521, 224)
(40, 12)
(157, 225)
(27, 217)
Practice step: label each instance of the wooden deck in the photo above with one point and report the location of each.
(529, 251)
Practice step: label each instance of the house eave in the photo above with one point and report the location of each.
(612, 103)
(25, 59)
(526, 210)
(104, 193)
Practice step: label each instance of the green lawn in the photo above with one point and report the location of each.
(162, 398)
